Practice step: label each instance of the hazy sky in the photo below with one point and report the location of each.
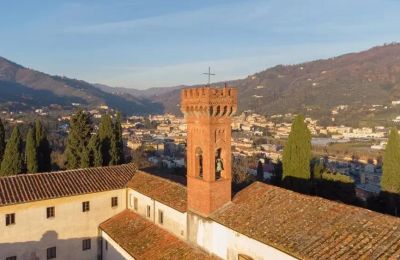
(168, 42)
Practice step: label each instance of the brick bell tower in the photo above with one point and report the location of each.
(208, 113)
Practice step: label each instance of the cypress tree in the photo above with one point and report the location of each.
(2, 140)
(297, 151)
(106, 132)
(42, 147)
(117, 145)
(96, 157)
(78, 138)
(13, 157)
(390, 181)
(32, 163)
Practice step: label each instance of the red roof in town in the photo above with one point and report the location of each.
(143, 239)
(165, 191)
(309, 227)
(40, 186)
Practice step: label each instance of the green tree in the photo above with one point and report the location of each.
(117, 145)
(13, 161)
(96, 157)
(32, 163)
(297, 152)
(78, 138)
(42, 147)
(106, 132)
(390, 182)
(2, 140)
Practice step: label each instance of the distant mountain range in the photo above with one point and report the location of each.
(25, 88)
(359, 80)
(365, 81)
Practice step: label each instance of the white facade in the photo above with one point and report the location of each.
(33, 233)
(174, 221)
(227, 243)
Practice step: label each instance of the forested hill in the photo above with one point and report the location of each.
(25, 88)
(314, 88)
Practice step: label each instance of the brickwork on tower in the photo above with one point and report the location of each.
(208, 113)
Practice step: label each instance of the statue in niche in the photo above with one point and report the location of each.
(219, 165)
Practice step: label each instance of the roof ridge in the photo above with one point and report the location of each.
(161, 178)
(67, 170)
(308, 196)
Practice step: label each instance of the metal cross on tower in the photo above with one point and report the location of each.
(209, 75)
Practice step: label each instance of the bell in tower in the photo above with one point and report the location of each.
(208, 113)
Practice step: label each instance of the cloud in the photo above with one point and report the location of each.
(220, 15)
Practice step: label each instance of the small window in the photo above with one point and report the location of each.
(11, 258)
(160, 217)
(86, 244)
(148, 211)
(85, 206)
(114, 201)
(10, 219)
(135, 203)
(51, 253)
(50, 212)
(106, 245)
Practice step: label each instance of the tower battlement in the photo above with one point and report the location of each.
(207, 101)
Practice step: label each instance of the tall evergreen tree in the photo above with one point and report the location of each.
(297, 151)
(390, 181)
(2, 140)
(117, 145)
(106, 132)
(13, 161)
(78, 138)
(32, 163)
(42, 147)
(96, 157)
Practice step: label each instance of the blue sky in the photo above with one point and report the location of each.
(150, 43)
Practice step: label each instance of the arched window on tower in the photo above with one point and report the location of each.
(219, 164)
(199, 162)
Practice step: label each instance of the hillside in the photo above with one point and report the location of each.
(358, 80)
(25, 88)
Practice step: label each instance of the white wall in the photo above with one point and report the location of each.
(33, 233)
(111, 250)
(174, 220)
(228, 244)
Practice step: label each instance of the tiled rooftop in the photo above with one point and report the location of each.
(143, 239)
(309, 227)
(40, 186)
(165, 191)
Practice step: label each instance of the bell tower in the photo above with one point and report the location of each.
(208, 113)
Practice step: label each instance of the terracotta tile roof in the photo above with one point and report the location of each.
(310, 227)
(165, 191)
(143, 239)
(40, 186)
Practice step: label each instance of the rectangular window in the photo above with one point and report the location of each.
(160, 217)
(11, 258)
(148, 211)
(51, 252)
(114, 201)
(86, 243)
(10, 219)
(85, 206)
(135, 203)
(50, 212)
(106, 245)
